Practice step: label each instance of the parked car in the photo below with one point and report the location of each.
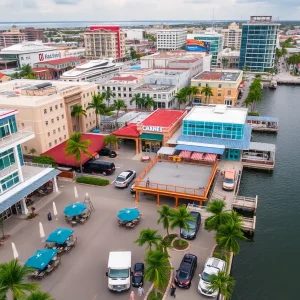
(132, 191)
(107, 152)
(194, 226)
(99, 167)
(186, 271)
(138, 275)
(229, 180)
(212, 266)
(125, 178)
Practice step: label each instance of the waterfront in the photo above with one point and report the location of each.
(267, 268)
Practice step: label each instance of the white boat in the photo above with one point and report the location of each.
(273, 84)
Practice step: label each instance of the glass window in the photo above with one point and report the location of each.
(56, 106)
(52, 120)
(60, 139)
(65, 136)
(50, 108)
(64, 127)
(45, 111)
(55, 142)
(46, 123)
(57, 118)
(48, 133)
(62, 116)
(54, 131)
(61, 105)
(58, 129)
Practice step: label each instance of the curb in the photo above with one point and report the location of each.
(177, 250)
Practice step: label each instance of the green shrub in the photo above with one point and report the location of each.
(154, 296)
(92, 180)
(254, 113)
(44, 159)
(180, 244)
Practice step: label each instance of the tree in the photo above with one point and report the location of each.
(157, 269)
(111, 140)
(32, 151)
(77, 147)
(193, 90)
(45, 160)
(150, 237)
(137, 99)
(108, 95)
(132, 53)
(38, 295)
(119, 104)
(283, 51)
(278, 53)
(218, 218)
(246, 69)
(207, 91)
(148, 102)
(99, 106)
(228, 236)
(181, 98)
(221, 282)
(181, 218)
(12, 277)
(77, 112)
(164, 217)
(224, 62)
(31, 76)
(26, 70)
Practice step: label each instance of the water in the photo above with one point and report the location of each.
(267, 269)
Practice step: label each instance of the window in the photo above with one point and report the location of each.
(88, 94)
(119, 94)
(86, 125)
(199, 84)
(52, 120)
(50, 145)
(56, 106)
(50, 108)
(46, 123)
(119, 89)
(61, 105)
(48, 133)
(219, 94)
(55, 142)
(25, 148)
(45, 111)
(58, 129)
(89, 114)
(113, 88)
(129, 89)
(220, 85)
(229, 92)
(83, 95)
(54, 131)
(64, 127)
(62, 116)
(124, 95)
(60, 139)
(90, 123)
(130, 95)
(57, 118)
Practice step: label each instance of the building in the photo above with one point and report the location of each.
(11, 37)
(229, 59)
(216, 43)
(139, 46)
(79, 52)
(170, 39)
(134, 34)
(105, 41)
(4, 78)
(46, 108)
(258, 46)
(18, 179)
(224, 85)
(16, 56)
(93, 71)
(57, 67)
(32, 34)
(232, 36)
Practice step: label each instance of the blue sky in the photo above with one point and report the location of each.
(69, 10)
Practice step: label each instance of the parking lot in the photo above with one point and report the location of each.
(82, 272)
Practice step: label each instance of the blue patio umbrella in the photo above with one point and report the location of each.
(128, 214)
(59, 236)
(74, 209)
(41, 258)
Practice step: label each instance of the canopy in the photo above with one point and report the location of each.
(166, 150)
(192, 148)
(185, 154)
(41, 258)
(74, 209)
(209, 157)
(151, 136)
(128, 214)
(60, 235)
(197, 156)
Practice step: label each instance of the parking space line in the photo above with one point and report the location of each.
(113, 181)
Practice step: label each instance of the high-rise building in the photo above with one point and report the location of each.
(105, 41)
(232, 36)
(216, 43)
(11, 37)
(32, 34)
(258, 46)
(170, 39)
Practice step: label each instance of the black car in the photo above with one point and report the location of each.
(186, 271)
(138, 275)
(107, 152)
(194, 226)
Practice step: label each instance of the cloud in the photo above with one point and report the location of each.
(30, 4)
(294, 3)
(67, 2)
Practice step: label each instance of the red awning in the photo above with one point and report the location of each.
(197, 156)
(210, 157)
(185, 154)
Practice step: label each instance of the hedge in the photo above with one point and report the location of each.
(254, 113)
(92, 180)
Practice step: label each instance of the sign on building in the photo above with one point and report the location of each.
(197, 45)
(152, 128)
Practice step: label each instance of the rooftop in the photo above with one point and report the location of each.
(6, 112)
(155, 88)
(129, 130)
(164, 118)
(27, 47)
(218, 114)
(123, 78)
(218, 76)
(175, 54)
(60, 61)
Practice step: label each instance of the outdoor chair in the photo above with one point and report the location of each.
(130, 225)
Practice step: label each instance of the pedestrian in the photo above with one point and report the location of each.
(148, 182)
(173, 290)
(131, 295)
(140, 291)
(49, 216)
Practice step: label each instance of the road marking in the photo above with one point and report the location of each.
(113, 181)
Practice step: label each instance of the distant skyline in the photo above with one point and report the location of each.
(130, 10)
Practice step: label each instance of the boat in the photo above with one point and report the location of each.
(273, 84)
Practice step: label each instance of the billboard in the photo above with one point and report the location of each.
(197, 45)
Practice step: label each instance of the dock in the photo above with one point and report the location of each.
(245, 203)
(263, 123)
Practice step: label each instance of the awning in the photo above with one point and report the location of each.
(262, 147)
(200, 149)
(166, 150)
(185, 154)
(197, 156)
(151, 136)
(209, 157)
(27, 190)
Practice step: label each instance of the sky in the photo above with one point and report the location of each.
(129, 10)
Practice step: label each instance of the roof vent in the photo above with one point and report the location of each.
(220, 109)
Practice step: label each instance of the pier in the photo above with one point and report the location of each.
(263, 123)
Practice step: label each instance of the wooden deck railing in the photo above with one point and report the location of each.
(259, 162)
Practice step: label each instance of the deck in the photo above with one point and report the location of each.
(249, 224)
(258, 164)
(246, 203)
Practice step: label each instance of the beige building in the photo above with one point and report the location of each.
(46, 108)
(232, 36)
(11, 37)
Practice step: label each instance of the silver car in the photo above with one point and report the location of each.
(125, 178)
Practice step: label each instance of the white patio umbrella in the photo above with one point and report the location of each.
(55, 210)
(75, 192)
(42, 232)
(14, 249)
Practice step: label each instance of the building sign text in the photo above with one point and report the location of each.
(152, 128)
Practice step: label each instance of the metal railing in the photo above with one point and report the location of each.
(14, 137)
(31, 164)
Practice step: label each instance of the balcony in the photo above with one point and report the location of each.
(8, 170)
(19, 137)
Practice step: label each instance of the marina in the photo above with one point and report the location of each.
(263, 123)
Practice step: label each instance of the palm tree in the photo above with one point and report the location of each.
(157, 269)
(194, 90)
(228, 236)
(207, 91)
(111, 140)
(38, 295)
(150, 237)
(32, 151)
(219, 217)
(108, 95)
(77, 147)
(137, 99)
(180, 218)
(222, 282)
(26, 70)
(77, 112)
(99, 106)
(224, 62)
(181, 98)
(148, 102)
(119, 104)
(164, 217)
(12, 277)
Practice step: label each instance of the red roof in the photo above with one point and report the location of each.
(163, 118)
(60, 61)
(125, 78)
(40, 69)
(59, 155)
(130, 130)
(1, 75)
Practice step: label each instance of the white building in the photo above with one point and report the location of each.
(170, 39)
(134, 34)
(229, 59)
(232, 36)
(79, 52)
(93, 71)
(18, 179)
